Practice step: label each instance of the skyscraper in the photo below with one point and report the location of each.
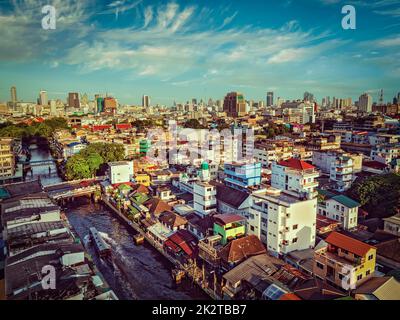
(146, 102)
(365, 103)
(235, 104)
(73, 100)
(308, 96)
(43, 100)
(270, 99)
(13, 95)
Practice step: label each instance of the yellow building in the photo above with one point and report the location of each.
(7, 158)
(143, 178)
(345, 262)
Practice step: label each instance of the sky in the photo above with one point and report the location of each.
(184, 49)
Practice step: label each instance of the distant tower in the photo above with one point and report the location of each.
(270, 99)
(381, 98)
(13, 95)
(43, 100)
(145, 101)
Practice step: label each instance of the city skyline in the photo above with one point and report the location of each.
(178, 50)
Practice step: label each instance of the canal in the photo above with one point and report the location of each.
(134, 272)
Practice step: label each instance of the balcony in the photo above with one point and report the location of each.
(335, 261)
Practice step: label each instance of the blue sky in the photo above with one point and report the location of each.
(183, 49)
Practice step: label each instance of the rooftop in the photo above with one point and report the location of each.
(296, 164)
(347, 243)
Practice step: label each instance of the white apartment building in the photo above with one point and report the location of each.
(392, 225)
(204, 198)
(385, 153)
(295, 177)
(323, 160)
(341, 173)
(266, 155)
(287, 223)
(120, 172)
(339, 208)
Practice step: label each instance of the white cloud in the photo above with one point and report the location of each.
(148, 16)
(228, 20)
(287, 55)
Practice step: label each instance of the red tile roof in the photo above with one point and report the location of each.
(124, 126)
(347, 243)
(242, 248)
(296, 164)
(184, 240)
(156, 206)
(101, 127)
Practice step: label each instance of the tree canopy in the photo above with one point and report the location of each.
(36, 129)
(88, 161)
(378, 195)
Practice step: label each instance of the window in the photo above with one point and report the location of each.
(341, 276)
(359, 277)
(252, 228)
(294, 240)
(295, 227)
(370, 257)
(320, 265)
(368, 272)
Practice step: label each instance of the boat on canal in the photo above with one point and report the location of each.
(103, 249)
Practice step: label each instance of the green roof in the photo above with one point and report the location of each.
(346, 201)
(139, 198)
(205, 166)
(133, 210)
(325, 193)
(4, 193)
(124, 187)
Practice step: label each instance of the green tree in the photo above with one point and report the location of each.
(77, 167)
(94, 160)
(378, 195)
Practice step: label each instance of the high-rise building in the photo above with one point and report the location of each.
(308, 96)
(270, 99)
(146, 102)
(365, 103)
(53, 108)
(235, 104)
(99, 104)
(73, 100)
(13, 95)
(43, 100)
